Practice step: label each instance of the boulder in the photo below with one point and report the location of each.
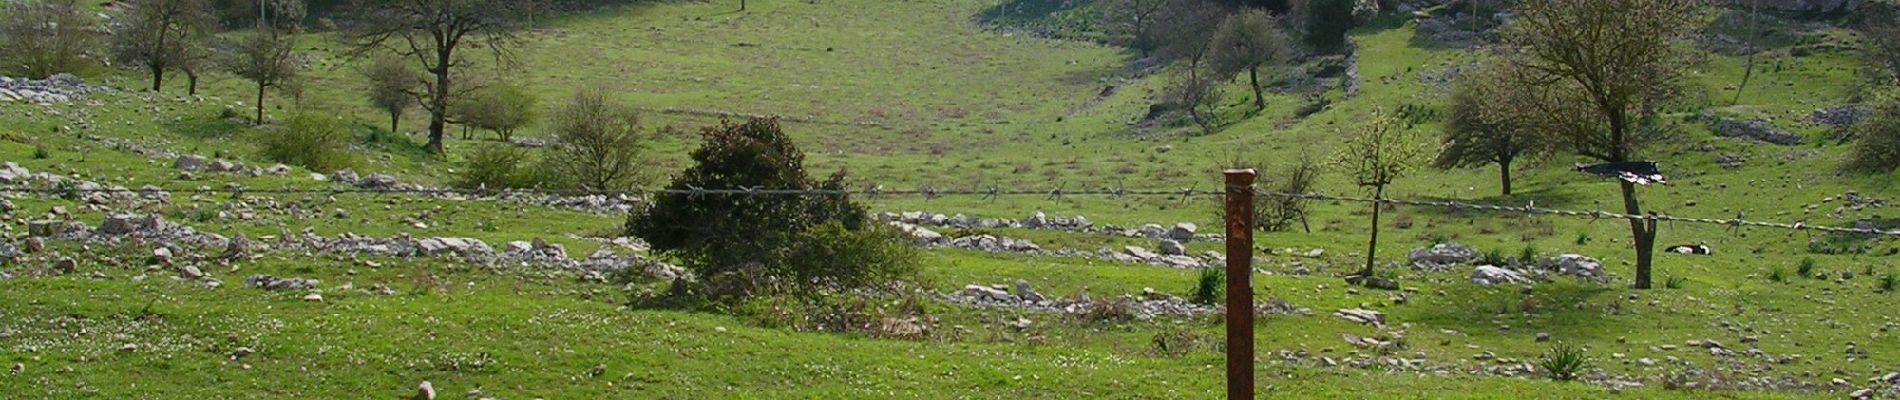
(1169, 247)
(1487, 275)
(519, 247)
(222, 166)
(1036, 220)
(1182, 231)
(1139, 253)
(926, 237)
(986, 293)
(1152, 230)
(190, 163)
(1443, 254)
(1575, 265)
(117, 224)
(1362, 316)
(1023, 291)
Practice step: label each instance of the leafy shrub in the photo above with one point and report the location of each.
(1207, 289)
(1495, 257)
(1777, 275)
(1583, 238)
(1674, 282)
(1528, 255)
(1888, 281)
(1178, 341)
(308, 139)
(40, 152)
(1563, 362)
(496, 166)
(1325, 21)
(1877, 140)
(1806, 268)
(741, 245)
(1838, 244)
(597, 144)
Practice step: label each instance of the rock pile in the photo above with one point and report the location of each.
(1182, 232)
(1148, 305)
(59, 88)
(1756, 130)
(1442, 255)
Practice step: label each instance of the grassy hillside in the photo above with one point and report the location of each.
(907, 94)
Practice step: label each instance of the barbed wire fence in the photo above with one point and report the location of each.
(990, 193)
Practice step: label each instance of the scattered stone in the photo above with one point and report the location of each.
(1026, 293)
(272, 283)
(1362, 316)
(981, 292)
(1575, 265)
(1486, 275)
(66, 265)
(425, 391)
(313, 297)
(35, 245)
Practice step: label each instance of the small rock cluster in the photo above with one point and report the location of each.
(612, 204)
(1148, 304)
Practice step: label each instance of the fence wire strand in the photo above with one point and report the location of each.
(991, 193)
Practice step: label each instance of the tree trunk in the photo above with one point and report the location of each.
(1372, 247)
(394, 119)
(438, 118)
(158, 75)
(1644, 234)
(1259, 101)
(260, 103)
(1504, 174)
(191, 79)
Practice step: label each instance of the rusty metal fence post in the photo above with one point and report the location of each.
(1240, 283)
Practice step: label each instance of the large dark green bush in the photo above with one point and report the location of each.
(311, 140)
(740, 245)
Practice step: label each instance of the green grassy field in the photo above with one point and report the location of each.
(921, 93)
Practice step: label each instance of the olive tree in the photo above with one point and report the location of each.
(1475, 134)
(1133, 23)
(1375, 155)
(392, 88)
(1596, 68)
(1247, 42)
(502, 109)
(159, 34)
(266, 57)
(433, 34)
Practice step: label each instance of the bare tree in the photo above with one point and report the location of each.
(46, 37)
(433, 33)
(1134, 22)
(155, 34)
(1474, 138)
(1598, 66)
(598, 143)
(1379, 153)
(1247, 42)
(1186, 30)
(1198, 95)
(392, 88)
(264, 56)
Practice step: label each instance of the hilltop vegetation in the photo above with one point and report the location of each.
(1777, 115)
